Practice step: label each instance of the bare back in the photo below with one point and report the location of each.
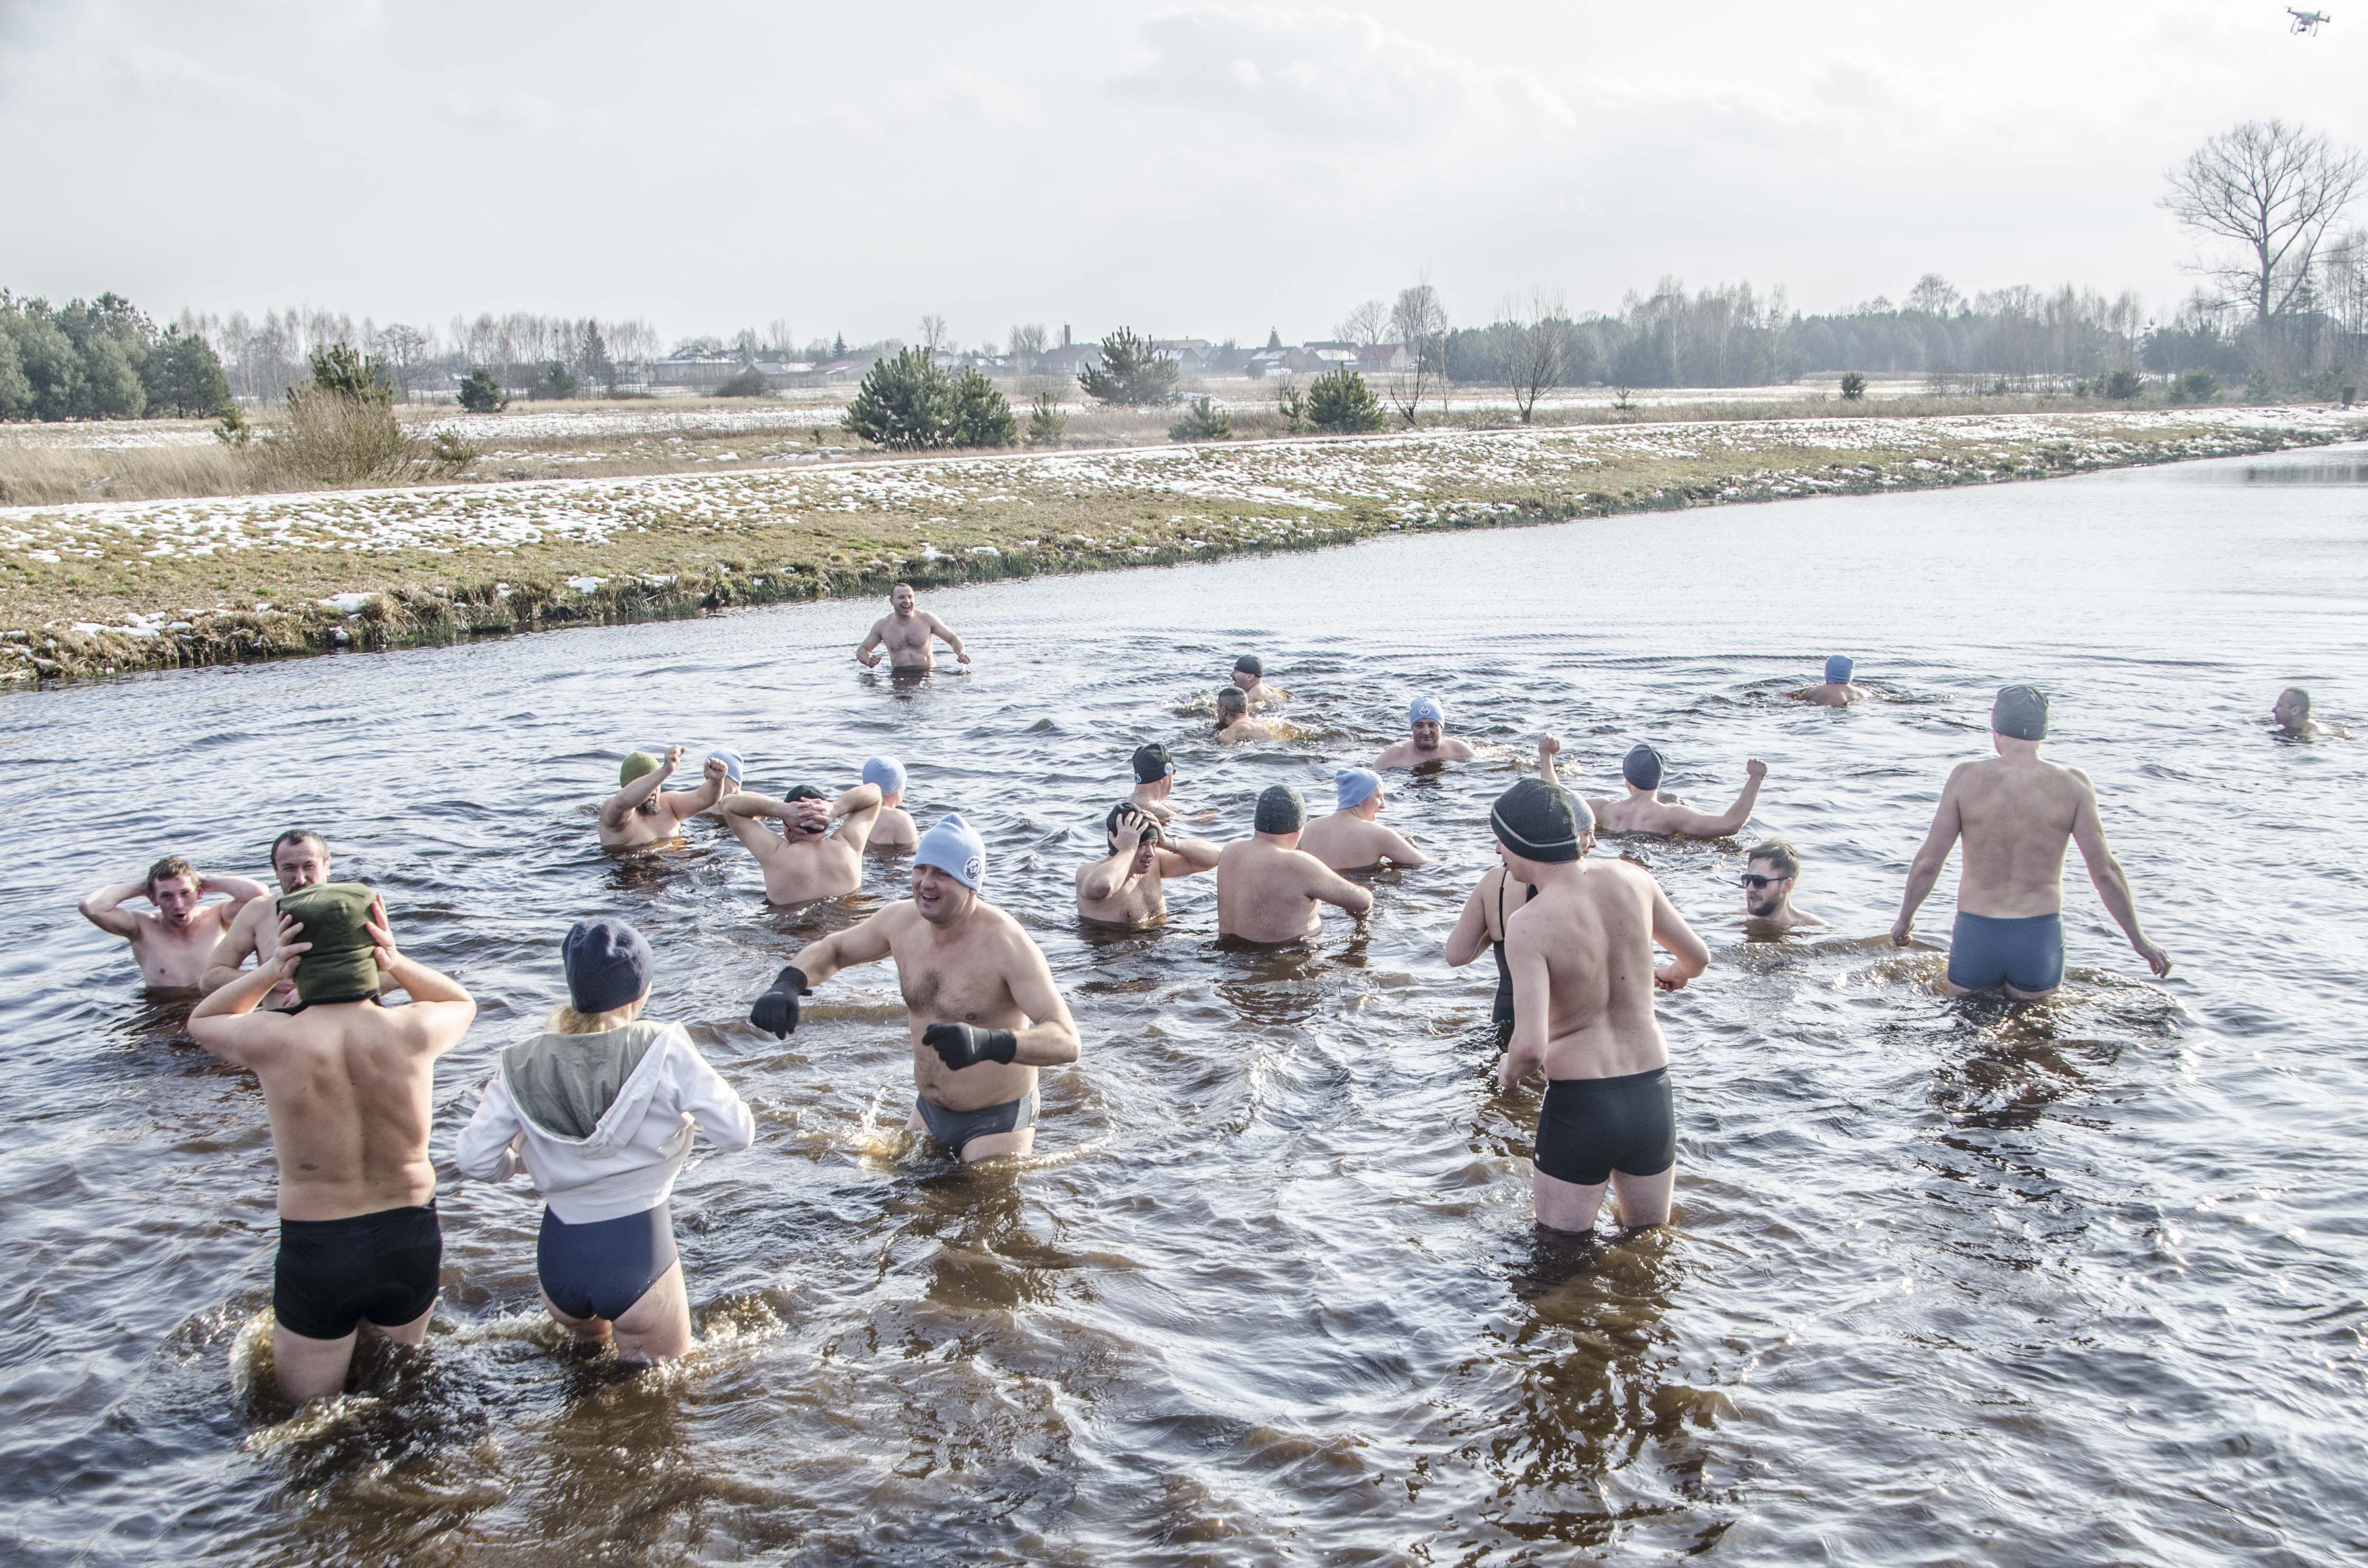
(1596, 936)
(2015, 817)
(349, 1087)
(1266, 892)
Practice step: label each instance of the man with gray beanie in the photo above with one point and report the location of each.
(1270, 890)
(984, 1013)
(1644, 811)
(2016, 813)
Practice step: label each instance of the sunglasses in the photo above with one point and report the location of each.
(1755, 881)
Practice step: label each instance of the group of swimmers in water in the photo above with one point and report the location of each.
(601, 1107)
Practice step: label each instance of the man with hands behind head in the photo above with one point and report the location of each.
(348, 1086)
(637, 815)
(805, 860)
(985, 1012)
(171, 944)
(1126, 887)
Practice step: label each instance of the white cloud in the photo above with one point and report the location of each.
(1328, 72)
(502, 114)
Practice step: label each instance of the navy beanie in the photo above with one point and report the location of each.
(608, 965)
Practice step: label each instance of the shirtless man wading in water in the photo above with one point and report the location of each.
(807, 860)
(640, 815)
(1644, 811)
(985, 1014)
(348, 1084)
(1270, 890)
(906, 631)
(298, 859)
(1581, 958)
(1127, 887)
(2016, 813)
(171, 944)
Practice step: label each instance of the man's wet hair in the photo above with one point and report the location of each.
(169, 867)
(906, 586)
(1779, 854)
(298, 835)
(1231, 699)
(2301, 698)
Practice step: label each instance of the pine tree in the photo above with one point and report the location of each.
(1129, 374)
(1202, 422)
(1339, 401)
(903, 403)
(184, 377)
(1046, 422)
(481, 393)
(981, 416)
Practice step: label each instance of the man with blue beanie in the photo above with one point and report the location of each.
(2017, 812)
(894, 831)
(1349, 839)
(985, 1012)
(1425, 739)
(1835, 690)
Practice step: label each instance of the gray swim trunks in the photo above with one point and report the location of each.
(956, 1129)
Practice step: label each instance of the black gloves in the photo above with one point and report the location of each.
(963, 1045)
(775, 1011)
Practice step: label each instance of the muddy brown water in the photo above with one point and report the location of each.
(2082, 1283)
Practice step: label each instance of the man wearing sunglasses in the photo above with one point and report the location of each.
(1769, 873)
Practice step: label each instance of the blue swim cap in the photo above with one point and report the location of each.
(1426, 710)
(731, 764)
(1356, 785)
(1838, 670)
(884, 771)
(954, 847)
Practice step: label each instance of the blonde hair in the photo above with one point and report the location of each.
(565, 1019)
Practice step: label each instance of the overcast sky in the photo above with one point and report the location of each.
(1203, 169)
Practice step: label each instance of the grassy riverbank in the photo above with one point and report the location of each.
(115, 588)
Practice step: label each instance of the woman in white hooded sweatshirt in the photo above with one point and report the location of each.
(600, 1108)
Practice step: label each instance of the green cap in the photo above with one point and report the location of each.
(641, 762)
(342, 964)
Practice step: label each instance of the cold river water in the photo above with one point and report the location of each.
(2078, 1284)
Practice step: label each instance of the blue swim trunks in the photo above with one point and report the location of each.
(1986, 952)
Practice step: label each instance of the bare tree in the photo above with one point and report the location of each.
(1366, 327)
(933, 333)
(1536, 349)
(1027, 347)
(2272, 189)
(779, 341)
(1419, 322)
(1934, 295)
(406, 350)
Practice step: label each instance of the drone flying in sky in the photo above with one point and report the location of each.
(2307, 21)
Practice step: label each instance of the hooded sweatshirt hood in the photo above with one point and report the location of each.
(583, 1088)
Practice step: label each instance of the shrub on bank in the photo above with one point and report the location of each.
(482, 393)
(340, 429)
(1202, 422)
(750, 382)
(1853, 386)
(1340, 402)
(1132, 373)
(1046, 422)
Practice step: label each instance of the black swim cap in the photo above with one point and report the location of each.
(1539, 821)
(1279, 810)
(2019, 713)
(1151, 824)
(803, 792)
(1248, 665)
(1642, 766)
(1152, 764)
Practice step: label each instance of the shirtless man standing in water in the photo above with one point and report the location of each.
(1581, 957)
(1644, 811)
(300, 858)
(348, 1084)
(906, 631)
(2016, 813)
(637, 816)
(1128, 886)
(805, 860)
(986, 1012)
(172, 944)
(1270, 890)
(1425, 739)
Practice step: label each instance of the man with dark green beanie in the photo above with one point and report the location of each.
(349, 1084)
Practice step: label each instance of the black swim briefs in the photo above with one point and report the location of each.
(1589, 1128)
(335, 1274)
(956, 1129)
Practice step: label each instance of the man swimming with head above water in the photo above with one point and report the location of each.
(985, 1012)
(1580, 953)
(2290, 713)
(1770, 873)
(350, 1086)
(1644, 811)
(637, 816)
(1836, 691)
(906, 633)
(1270, 890)
(2016, 814)
(1350, 839)
(1233, 723)
(805, 860)
(892, 832)
(1126, 887)
(1154, 780)
(1425, 739)
(173, 944)
(1249, 679)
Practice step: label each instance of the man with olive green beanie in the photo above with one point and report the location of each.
(640, 814)
(349, 1084)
